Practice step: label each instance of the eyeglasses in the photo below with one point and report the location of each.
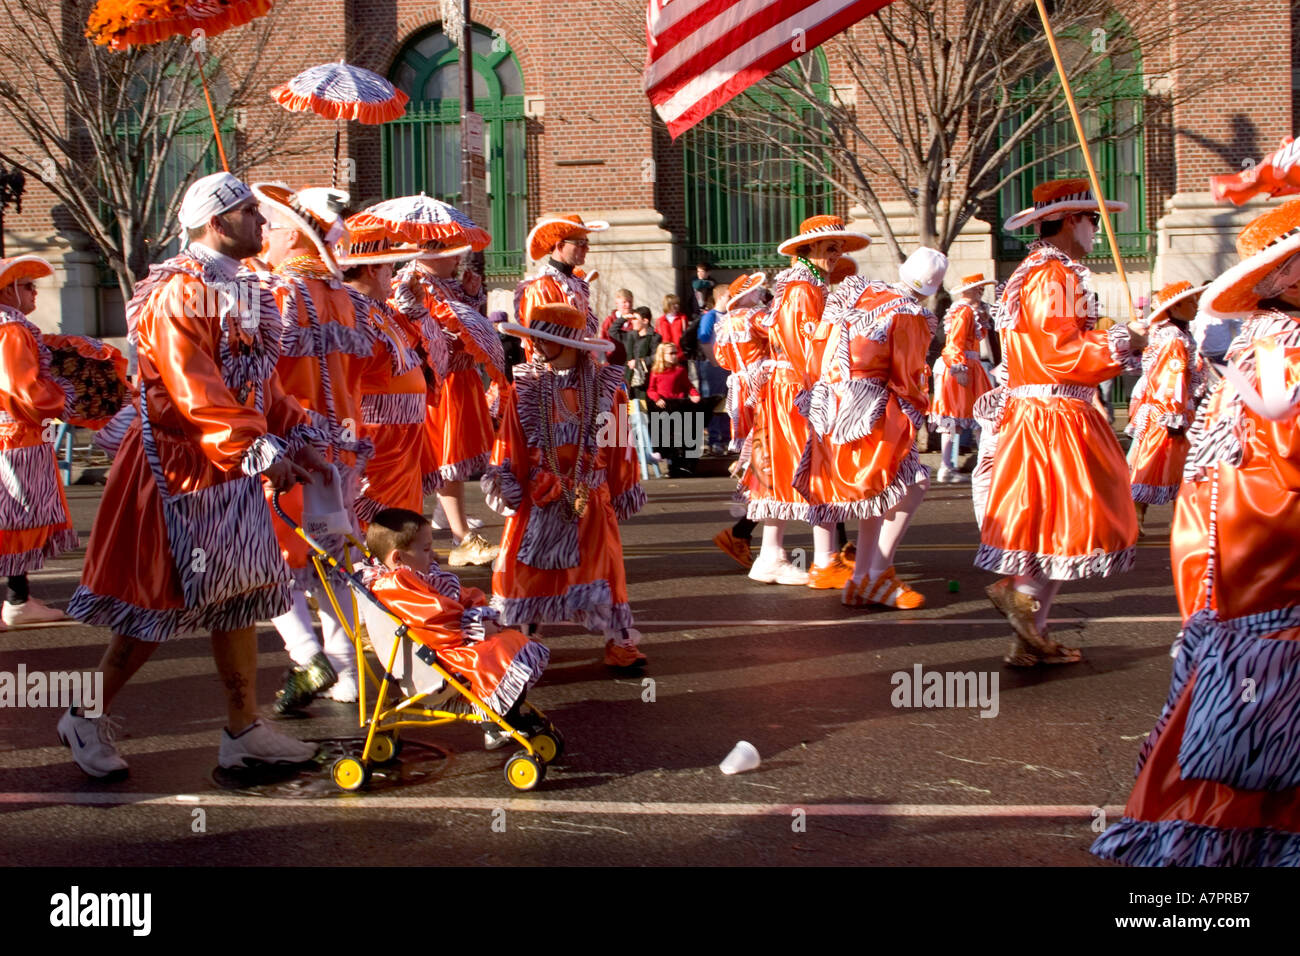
(580, 243)
(1094, 218)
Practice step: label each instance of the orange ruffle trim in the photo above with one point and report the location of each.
(366, 227)
(370, 113)
(119, 24)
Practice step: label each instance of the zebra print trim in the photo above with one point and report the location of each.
(772, 509)
(525, 670)
(916, 417)
(1121, 348)
(471, 326)
(575, 289)
(1055, 567)
(550, 539)
(399, 408)
(529, 394)
(1248, 744)
(1155, 494)
(265, 451)
(796, 273)
(1008, 311)
(629, 502)
(29, 489)
(463, 470)
(408, 296)
(430, 482)
(109, 438)
(910, 472)
(862, 405)
(948, 425)
(1080, 393)
(1172, 420)
(318, 339)
(11, 316)
(589, 604)
(501, 490)
(61, 541)
(365, 508)
(149, 624)
(988, 408)
(306, 434)
(1184, 843)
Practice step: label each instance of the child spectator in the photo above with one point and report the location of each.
(450, 619)
(670, 389)
(640, 345)
(701, 285)
(672, 324)
(618, 321)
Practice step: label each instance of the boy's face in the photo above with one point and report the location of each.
(623, 305)
(702, 272)
(419, 557)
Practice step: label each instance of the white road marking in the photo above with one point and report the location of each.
(932, 621)
(587, 807)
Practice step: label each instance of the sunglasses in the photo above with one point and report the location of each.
(580, 243)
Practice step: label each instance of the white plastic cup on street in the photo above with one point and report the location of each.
(743, 756)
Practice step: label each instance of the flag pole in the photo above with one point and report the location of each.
(1087, 158)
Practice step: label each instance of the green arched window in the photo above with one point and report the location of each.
(744, 195)
(421, 150)
(1114, 127)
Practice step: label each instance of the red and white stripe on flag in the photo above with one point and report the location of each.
(701, 53)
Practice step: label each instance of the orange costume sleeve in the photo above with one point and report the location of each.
(1062, 349)
(961, 329)
(26, 394)
(907, 366)
(507, 476)
(182, 349)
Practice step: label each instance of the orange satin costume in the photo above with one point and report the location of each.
(459, 425)
(1058, 502)
(1219, 777)
(780, 432)
(325, 344)
(866, 407)
(554, 567)
(954, 403)
(34, 521)
(499, 668)
(741, 352)
(1163, 399)
(394, 396)
(195, 550)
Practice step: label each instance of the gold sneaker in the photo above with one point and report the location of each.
(473, 549)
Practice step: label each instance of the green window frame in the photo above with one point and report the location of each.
(1120, 159)
(420, 150)
(744, 198)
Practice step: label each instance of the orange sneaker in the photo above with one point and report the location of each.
(616, 655)
(832, 576)
(734, 547)
(885, 589)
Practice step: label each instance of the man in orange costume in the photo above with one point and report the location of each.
(183, 537)
(1058, 502)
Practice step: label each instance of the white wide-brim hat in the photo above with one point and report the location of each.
(312, 211)
(817, 228)
(1058, 198)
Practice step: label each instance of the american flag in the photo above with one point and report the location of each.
(704, 52)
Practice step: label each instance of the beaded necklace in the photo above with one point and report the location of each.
(820, 276)
(573, 486)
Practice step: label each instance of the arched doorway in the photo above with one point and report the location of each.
(421, 150)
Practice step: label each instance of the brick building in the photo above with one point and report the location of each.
(569, 129)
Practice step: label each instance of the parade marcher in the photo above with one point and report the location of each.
(563, 242)
(183, 539)
(959, 377)
(780, 432)
(393, 385)
(325, 344)
(34, 520)
(1058, 502)
(460, 423)
(860, 462)
(1218, 780)
(564, 482)
(1164, 400)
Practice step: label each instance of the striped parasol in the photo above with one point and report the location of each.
(418, 219)
(341, 91)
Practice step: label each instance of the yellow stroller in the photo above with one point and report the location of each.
(428, 695)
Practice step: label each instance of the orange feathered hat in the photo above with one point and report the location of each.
(1269, 242)
(16, 268)
(1169, 296)
(551, 229)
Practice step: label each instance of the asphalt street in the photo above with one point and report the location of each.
(847, 777)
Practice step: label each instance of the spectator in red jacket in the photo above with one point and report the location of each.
(620, 320)
(672, 323)
(670, 389)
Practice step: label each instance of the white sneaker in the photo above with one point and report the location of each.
(30, 611)
(440, 522)
(91, 741)
(259, 743)
(943, 475)
(958, 478)
(494, 738)
(780, 571)
(345, 689)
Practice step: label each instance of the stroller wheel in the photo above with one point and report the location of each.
(349, 773)
(524, 772)
(384, 748)
(548, 744)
